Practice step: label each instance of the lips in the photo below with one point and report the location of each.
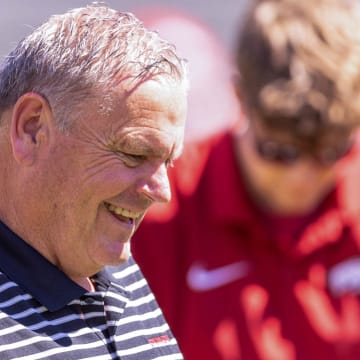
(122, 214)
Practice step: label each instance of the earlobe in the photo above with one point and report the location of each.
(29, 127)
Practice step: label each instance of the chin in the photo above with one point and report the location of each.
(115, 258)
(125, 254)
(299, 203)
(295, 209)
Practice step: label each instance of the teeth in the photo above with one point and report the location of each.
(122, 212)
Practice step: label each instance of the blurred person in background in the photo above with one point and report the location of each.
(259, 257)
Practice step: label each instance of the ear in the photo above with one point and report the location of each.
(29, 129)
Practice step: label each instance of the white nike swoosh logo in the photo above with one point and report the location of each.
(345, 277)
(202, 279)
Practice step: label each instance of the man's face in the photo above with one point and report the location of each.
(283, 177)
(105, 174)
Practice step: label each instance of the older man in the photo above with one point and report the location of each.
(92, 110)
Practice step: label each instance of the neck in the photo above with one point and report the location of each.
(86, 283)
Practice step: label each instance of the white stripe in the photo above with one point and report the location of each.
(51, 352)
(15, 300)
(28, 312)
(143, 300)
(11, 329)
(114, 309)
(143, 332)
(93, 314)
(143, 348)
(37, 339)
(150, 315)
(126, 272)
(170, 357)
(58, 321)
(100, 357)
(116, 296)
(137, 285)
(7, 285)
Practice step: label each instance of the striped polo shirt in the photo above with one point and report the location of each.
(45, 315)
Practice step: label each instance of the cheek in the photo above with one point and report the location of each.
(109, 181)
(103, 175)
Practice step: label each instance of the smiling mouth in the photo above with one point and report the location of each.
(122, 214)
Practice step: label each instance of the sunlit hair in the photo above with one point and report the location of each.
(300, 64)
(85, 53)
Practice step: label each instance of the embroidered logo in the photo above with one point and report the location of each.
(202, 279)
(345, 277)
(159, 340)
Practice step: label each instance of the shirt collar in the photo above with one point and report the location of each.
(34, 273)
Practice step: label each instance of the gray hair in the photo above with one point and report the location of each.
(92, 48)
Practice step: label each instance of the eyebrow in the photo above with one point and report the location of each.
(142, 145)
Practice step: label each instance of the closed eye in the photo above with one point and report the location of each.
(131, 160)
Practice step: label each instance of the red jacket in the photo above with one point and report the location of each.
(235, 284)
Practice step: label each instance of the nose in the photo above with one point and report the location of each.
(156, 186)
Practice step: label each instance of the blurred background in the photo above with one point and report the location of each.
(17, 17)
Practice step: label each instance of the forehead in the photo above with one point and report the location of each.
(156, 96)
(152, 114)
(159, 107)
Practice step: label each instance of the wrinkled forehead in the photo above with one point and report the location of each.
(131, 93)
